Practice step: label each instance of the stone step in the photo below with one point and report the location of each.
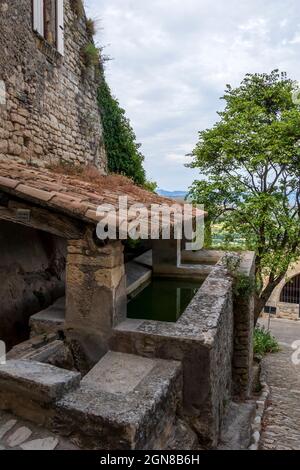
(49, 320)
(125, 402)
(236, 430)
(27, 387)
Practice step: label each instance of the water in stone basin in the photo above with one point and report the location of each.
(163, 299)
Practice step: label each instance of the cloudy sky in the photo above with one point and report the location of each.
(173, 58)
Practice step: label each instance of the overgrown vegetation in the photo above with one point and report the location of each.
(264, 342)
(91, 55)
(251, 185)
(243, 285)
(123, 151)
(91, 27)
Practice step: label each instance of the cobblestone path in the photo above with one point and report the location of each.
(17, 434)
(281, 424)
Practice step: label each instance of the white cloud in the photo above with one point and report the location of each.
(172, 60)
(295, 39)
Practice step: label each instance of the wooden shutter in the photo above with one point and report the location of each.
(38, 16)
(60, 26)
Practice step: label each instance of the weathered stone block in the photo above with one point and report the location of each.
(202, 339)
(39, 382)
(50, 320)
(126, 402)
(95, 296)
(18, 119)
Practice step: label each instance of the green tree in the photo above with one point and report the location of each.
(123, 152)
(250, 162)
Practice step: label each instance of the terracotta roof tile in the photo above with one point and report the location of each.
(34, 193)
(8, 183)
(72, 195)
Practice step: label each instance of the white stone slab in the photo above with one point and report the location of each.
(5, 428)
(19, 436)
(41, 382)
(119, 373)
(49, 443)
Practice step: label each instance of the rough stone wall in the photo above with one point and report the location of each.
(221, 359)
(243, 333)
(49, 111)
(288, 311)
(31, 278)
(202, 339)
(95, 296)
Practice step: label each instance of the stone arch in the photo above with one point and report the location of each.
(284, 309)
(290, 293)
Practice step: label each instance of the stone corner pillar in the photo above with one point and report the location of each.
(95, 295)
(166, 255)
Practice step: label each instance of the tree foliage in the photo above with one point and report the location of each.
(250, 161)
(123, 152)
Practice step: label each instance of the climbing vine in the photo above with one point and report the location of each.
(123, 151)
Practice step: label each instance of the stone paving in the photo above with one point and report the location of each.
(17, 434)
(281, 423)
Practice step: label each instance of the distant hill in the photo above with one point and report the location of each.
(172, 194)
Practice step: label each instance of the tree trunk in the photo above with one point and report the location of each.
(262, 298)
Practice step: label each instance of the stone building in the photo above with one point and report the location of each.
(51, 112)
(77, 364)
(48, 115)
(285, 299)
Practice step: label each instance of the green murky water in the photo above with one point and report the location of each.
(163, 299)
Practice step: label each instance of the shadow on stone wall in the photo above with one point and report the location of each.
(32, 270)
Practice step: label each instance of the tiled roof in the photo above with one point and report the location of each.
(76, 196)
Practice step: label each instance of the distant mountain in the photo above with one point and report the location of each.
(172, 194)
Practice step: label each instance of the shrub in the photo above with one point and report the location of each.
(91, 27)
(243, 286)
(264, 342)
(91, 55)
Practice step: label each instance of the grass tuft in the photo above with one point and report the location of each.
(264, 342)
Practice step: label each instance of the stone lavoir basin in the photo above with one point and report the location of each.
(162, 299)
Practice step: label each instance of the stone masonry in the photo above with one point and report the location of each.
(243, 333)
(203, 339)
(48, 103)
(285, 310)
(95, 295)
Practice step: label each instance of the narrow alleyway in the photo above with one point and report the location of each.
(281, 425)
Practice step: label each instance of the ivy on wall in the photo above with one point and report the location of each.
(122, 150)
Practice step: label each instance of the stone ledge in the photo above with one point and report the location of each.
(50, 320)
(39, 382)
(136, 276)
(141, 415)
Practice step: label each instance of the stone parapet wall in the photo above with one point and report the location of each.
(289, 311)
(202, 339)
(243, 332)
(48, 103)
